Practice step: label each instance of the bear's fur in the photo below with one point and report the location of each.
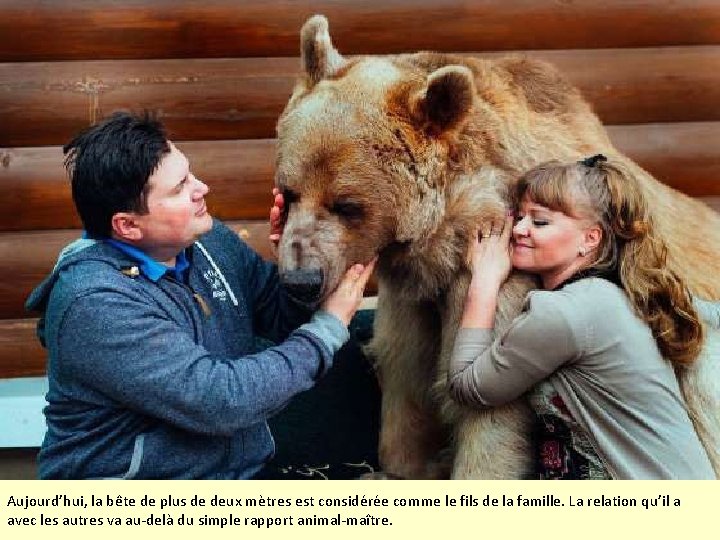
(401, 156)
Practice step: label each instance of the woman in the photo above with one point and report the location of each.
(592, 346)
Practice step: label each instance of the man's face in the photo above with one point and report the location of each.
(177, 214)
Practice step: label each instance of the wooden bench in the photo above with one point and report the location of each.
(219, 72)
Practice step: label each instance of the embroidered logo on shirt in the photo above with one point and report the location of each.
(218, 290)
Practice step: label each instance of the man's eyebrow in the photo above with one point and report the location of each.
(186, 173)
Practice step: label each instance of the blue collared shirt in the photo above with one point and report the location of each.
(152, 269)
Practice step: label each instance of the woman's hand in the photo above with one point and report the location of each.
(344, 301)
(491, 254)
(490, 268)
(276, 218)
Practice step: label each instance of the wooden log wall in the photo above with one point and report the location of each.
(218, 73)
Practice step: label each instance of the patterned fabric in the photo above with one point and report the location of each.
(564, 451)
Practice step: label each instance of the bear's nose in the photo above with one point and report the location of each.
(304, 285)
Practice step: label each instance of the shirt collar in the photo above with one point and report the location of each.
(152, 269)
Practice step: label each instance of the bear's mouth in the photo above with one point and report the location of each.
(305, 286)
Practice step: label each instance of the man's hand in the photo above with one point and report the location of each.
(345, 300)
(276, 218)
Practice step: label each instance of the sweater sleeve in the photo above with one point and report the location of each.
(125, 349)
(487, 372)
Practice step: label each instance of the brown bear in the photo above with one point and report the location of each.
(402, 156)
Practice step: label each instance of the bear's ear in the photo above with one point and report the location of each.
(447, 100)
(319, 58)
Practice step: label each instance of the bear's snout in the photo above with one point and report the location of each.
(304, 285)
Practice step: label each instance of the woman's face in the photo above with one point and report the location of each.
(549, 243)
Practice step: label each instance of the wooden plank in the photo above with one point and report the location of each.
(21, 354)
(636, 86)
(195, 99)
(240, 173)
(214, 99)
(104, 29)
(29, 256)
(684, 156)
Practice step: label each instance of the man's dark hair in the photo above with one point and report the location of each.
(109, 165)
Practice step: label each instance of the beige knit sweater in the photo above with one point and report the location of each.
(603, 362)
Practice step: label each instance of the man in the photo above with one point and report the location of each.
(150, 329)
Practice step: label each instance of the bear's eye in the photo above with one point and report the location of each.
(348, 210)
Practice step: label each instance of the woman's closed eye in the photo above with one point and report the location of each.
(537, 221)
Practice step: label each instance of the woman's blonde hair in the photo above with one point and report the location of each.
(630, 253)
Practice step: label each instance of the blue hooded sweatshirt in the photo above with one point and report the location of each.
(149, 380)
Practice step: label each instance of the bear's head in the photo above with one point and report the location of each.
(365, 152)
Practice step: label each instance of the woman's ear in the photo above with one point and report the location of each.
(592, 237)
(126, 227)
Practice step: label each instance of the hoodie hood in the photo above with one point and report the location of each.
(77, 252)
(37, 301)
